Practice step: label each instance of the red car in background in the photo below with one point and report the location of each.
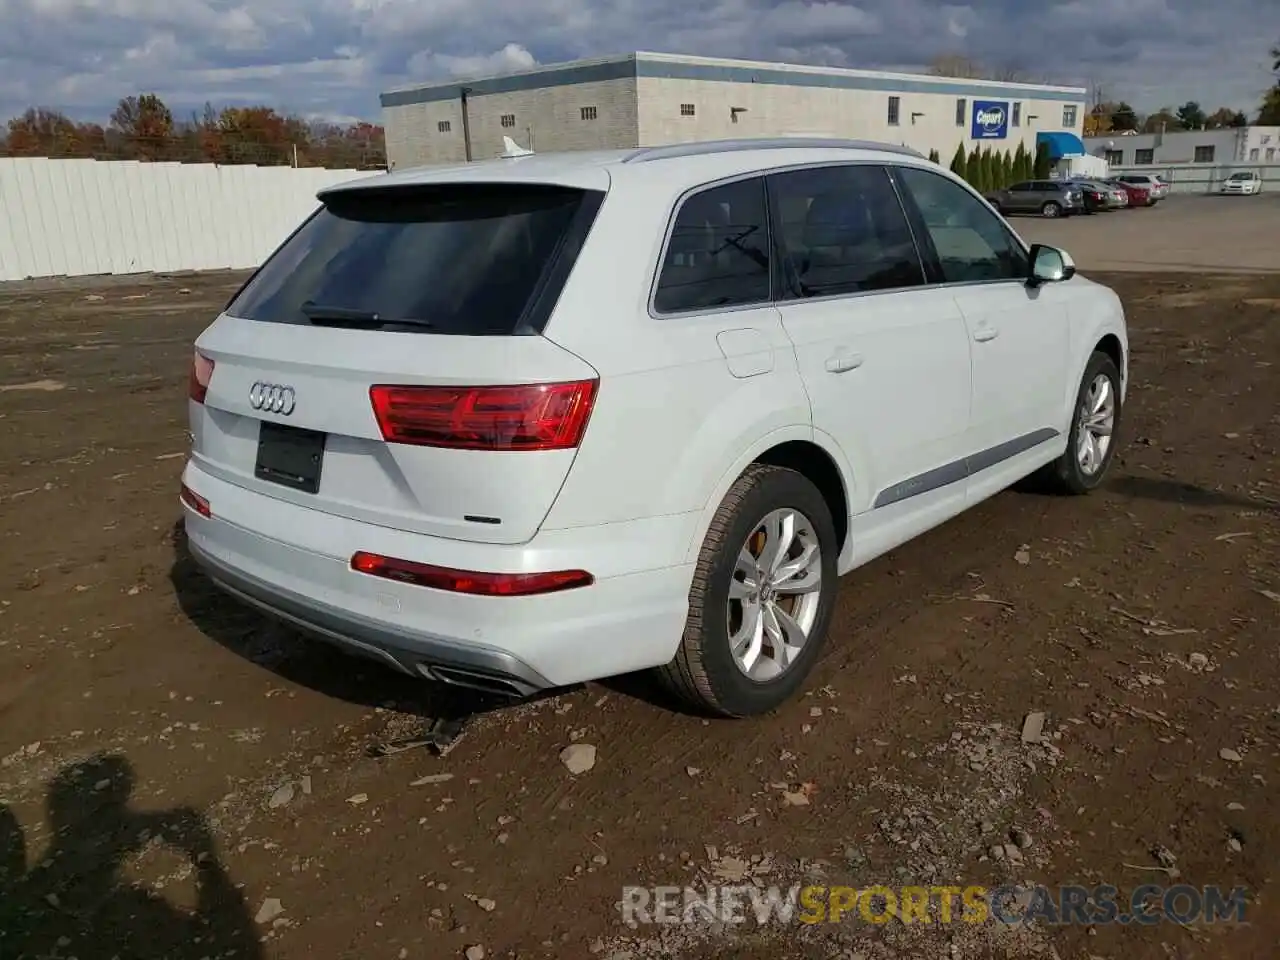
(1139, 196)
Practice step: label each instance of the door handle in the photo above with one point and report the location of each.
(844, 362)
(985, 334)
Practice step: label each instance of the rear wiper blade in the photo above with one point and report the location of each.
(335, 316)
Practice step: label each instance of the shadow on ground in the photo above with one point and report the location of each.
(76, 902)
(324, 668)
(1187, 494)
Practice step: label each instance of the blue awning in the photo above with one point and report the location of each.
(1061, 144)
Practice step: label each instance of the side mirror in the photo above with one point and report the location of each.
(1050, 265)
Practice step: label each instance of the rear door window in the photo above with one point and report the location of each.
(468, 259)
(842, 230)
(718, 252)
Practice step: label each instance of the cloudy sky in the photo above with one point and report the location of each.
(331, 58)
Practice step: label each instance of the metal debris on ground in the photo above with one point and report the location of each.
(440, 736)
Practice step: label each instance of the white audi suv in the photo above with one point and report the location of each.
(523, 423)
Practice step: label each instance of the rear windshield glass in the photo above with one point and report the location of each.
(466, 259)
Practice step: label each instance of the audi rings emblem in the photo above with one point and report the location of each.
(272, 397)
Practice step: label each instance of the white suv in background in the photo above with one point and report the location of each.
(528, 422)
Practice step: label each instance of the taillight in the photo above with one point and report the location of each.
(196, 502)
(468, 581)
(534, 416)
(201, 374)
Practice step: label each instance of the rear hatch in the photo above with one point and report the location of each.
(386, 364)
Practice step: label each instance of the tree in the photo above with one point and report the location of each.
(1191, 116)
(955, 65)
(1043, 163)
(39, 131)
(973, 169)
(1020, 163)
(1006, 169)
(145, 122)
(1225, 117)
(1269, 115)
(143, 128)
(1162, 119)
(959, 162)
(933, 157)
(1097, 122)
(958, 65)
(1124, 117)
(260, 135)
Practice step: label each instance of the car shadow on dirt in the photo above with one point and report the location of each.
(1187, 494)
(333, 673)
(311, 663)
(76, 900)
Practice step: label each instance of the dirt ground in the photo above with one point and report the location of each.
(182, 778)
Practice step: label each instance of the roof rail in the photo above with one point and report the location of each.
(703, 147)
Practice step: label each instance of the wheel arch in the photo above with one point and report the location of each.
(1110, 345)
(1106, 336)
(804, 450)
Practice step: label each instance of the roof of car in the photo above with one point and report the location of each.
(685, 163)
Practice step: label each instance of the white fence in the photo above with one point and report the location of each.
(82, 217)
(1204, 177)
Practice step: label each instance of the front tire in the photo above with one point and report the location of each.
(1091, 442)
(762, 597)
(1051, 209)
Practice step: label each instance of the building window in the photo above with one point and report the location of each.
(1115, 157)
(588, 113)
(444, 126)
(1144, 158)
(1271, 153)
(895, 110)
(1017, 114)
(687, 110)
(508, 119)
(1069, 116)
(1204, 155)
(962, 107)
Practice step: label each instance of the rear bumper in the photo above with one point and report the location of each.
(294, 564)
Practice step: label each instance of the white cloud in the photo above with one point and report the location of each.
(509, 59)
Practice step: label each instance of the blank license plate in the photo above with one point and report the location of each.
(290, 456)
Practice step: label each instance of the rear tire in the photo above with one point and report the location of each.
(1084, 464)
(731, 595)
(1051, 209)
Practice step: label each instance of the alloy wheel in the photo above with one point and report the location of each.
(775, 594)
(1096, 425)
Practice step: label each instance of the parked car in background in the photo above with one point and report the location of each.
(1049, 198)
(414, 433)
(1246, 183)
(1138, 195)
(1094, 196)
(1157, 187)
(1117, 199)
